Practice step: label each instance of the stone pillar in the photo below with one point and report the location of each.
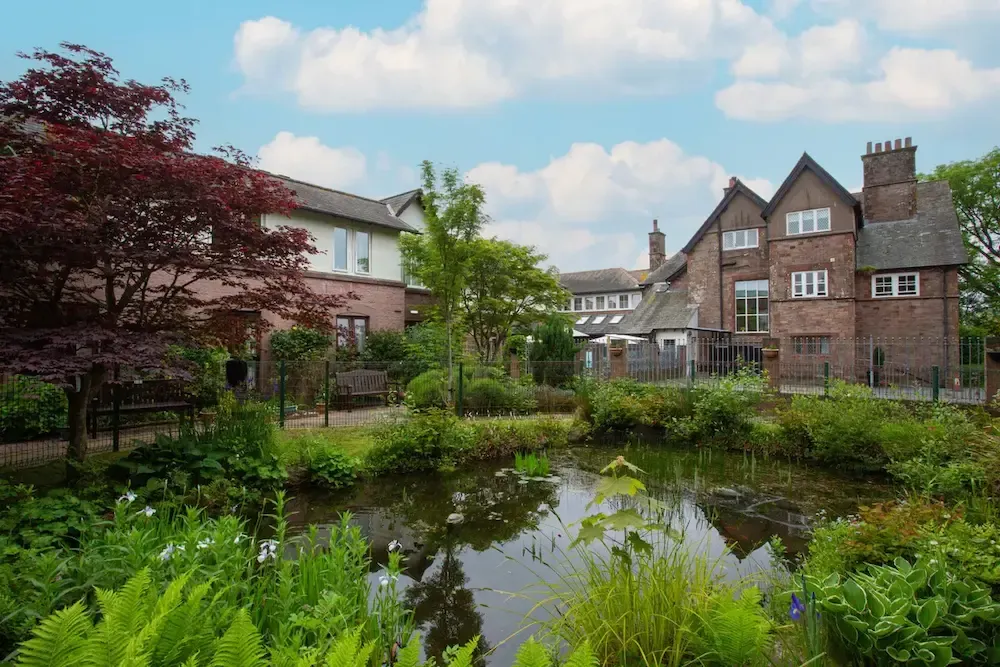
(515, 367)
(619, 359)
(992, 367)
(772, 363)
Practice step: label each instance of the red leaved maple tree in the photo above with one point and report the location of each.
(117, 240)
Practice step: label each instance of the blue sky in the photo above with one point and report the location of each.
(583, 119)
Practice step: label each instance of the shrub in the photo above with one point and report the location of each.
(551, 399)
(726, 408)
(426, 442)
(333, 469)
(501, 438)
(208, 372)
(429, 390)
(489, 396)
(553, 352)
(299, 344)
(30, 408)
(769, 438)
(929, 476)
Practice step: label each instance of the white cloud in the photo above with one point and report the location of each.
(909, 83)
(915, 16)
(308, 159)
(820, 50)
(593, 207)
(463, 53)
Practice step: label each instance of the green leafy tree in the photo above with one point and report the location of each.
(553, 351)
(299, 344)
(975, 186)
(440, 257)
(505, 289)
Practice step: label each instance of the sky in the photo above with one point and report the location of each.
(582, 119)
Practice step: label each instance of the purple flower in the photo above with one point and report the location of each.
(796, 609)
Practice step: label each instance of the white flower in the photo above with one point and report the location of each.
(169, 550)
(395, 546)
(127, 498)
(383, 582)
(205, 543)
(933, 543)
(148, 511)
(268, 549)
(239, 538)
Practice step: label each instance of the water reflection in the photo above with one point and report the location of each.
(470, 578)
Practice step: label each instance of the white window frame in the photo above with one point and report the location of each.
(739, 239)
(357, 258)
(347, 250)
(894, 284)
(599, 319)
(599, 302)
(798, 218)
(624, 306)
(583, 320)
(616, 319)
(577, 303)
(803, 280)
(612, 302)
(588, 303)
(636, 300)
(756, 286)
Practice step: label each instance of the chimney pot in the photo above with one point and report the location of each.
(656, 225)
(732, 181)
(878, 147)
(908, 142)
(888, 146)
(868, 151)
(899, 144)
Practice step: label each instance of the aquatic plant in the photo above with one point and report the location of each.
(532, 464)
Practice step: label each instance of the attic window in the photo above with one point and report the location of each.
(598, 320)
(616, 319)
(739, 239)
(583, 320)
(808, 222)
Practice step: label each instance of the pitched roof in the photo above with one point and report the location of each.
(677, 263)
(401, 201)
(931, 238)
(600, 280)
(806, 162)
(605, 327)
(343, 205)
(659, 310)
(739, 188)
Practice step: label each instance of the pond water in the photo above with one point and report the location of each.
(476, 577)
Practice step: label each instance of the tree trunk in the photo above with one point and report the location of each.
(76, 415)
(451, 395)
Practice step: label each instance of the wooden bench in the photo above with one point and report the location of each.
(138, 397)
(361, 383)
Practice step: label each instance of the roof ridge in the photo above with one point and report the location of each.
(610, 268)
(322, 187)
(400, 194)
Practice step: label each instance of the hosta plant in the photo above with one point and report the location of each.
(911, 614)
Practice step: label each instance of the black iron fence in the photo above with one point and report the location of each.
(135, 408)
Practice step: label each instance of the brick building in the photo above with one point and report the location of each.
(824, 273)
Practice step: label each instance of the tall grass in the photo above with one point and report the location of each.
(532, 464)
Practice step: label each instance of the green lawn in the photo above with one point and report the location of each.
(354, 440)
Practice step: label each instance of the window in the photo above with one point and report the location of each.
(635, 299)
(808, 283)
(600, 303)
(896, 284)
(588, 303)
(751, 306)
(339, 249)
(808, 222)
(578, 303)
(612, 302)
(352, 331)
(622, 301)
(362, 252)
(589, 359)
(583, 320)
(741, 238)
(616, 319)
(598, 320)
(812, 345)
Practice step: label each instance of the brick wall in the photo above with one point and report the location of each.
(703, 279)
(833, 253)
(890, 186)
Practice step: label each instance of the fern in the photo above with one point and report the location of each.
(532, 654)
(463, 657)
(583, 656)
(240, 646)
(736, 632)
(347, 651)
(58, 640)
(185, 631)
(410, 655)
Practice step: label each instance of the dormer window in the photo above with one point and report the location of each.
(739, 239)
(808, 222)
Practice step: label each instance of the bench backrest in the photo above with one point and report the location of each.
(361, 382)
(140, 393)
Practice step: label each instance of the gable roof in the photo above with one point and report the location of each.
(677, 263)
(806, 162)
(931, 238)
(401, 201)
(600, 280)
(738, 188)
(343, 205)
(659, 310)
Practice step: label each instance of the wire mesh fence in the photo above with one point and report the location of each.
(135, 408)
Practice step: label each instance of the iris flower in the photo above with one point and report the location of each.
(796, 609)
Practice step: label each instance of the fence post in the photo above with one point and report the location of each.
(116, 407)
(826, 378)
(459, 397)
(691, 372)
(281, 394)
(326, 395)
(936, 381)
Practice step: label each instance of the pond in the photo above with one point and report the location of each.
(476, 577)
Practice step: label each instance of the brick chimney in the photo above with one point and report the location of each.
(657, 247)
(890, 190)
